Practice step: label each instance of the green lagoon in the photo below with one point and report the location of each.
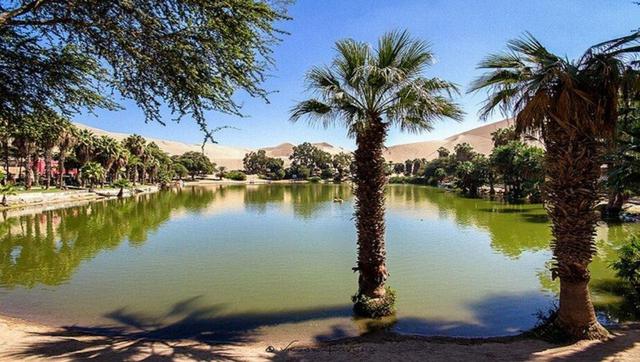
(236, 262)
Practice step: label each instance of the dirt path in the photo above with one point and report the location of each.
(21, 341)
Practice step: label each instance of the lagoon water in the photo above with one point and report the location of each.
(245, 262)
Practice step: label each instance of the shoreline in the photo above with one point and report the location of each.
(25, 340)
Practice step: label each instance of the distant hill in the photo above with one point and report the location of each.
(231, 157)
(479, 138)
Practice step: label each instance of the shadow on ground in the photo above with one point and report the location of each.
(190, 331)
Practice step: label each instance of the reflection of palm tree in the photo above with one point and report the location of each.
(31, 254)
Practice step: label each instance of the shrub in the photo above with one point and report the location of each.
(236, 175)
(315, 179)
(397, 179)
(375, 308)
(628, 265)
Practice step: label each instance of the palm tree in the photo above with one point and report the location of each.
(574, 107)
(136, 145)
(368, 91)
(92, 172)
(108, 150)
(52, 128)
(84, 149)
(25, 135)
(66, 142)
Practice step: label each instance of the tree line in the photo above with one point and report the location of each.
(307, 162)
(95, 160)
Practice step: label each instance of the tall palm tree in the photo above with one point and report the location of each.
(368, 91)
(574, 107)
(25, 136)
(108, 150)
(136, 145)
(52, 128)
(84, 149)
(66, 142)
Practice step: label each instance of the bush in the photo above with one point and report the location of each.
(397, 179)
(628, 266)
(236, 175)
(315, 179)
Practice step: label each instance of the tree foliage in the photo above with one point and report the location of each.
(188, 55)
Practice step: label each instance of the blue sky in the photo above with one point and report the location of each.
(461, 32)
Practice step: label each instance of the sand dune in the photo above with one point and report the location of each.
(231, 157)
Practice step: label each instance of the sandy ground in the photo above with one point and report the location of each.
(22, 341)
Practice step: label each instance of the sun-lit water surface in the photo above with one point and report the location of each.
(234, 262)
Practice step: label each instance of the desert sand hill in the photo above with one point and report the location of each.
(231, 157)
(479, 138)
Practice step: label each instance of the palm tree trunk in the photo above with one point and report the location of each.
(369, 192)
(572, 170)
(47, 167)
(61, 169)
(614, 205)
(28, 176)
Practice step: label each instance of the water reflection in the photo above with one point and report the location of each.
(203, 238)
(46, 248)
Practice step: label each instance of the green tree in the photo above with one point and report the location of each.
(92, 172)
(196, 163)
(623, 160)
(108, 151)
(136, 145)
(574, 105)
(472, 174)
(51, 128)
(66, 142)
(182, 171)
(255, 162)
(369, 90)
(193, 55)
(463, 152)
(520, 167)
(502, 136)
(342, 164)
(25, 136)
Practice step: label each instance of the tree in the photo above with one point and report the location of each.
(255, 163)
(196, 163)
(182, 171)
(443, 152)
(121, 184)
(520, 167)
(398, 168)
(502, 136)
(92, 172)
(136, 145)
(308, 156)
(623, 161)
(275, 169)
(574, 106)
(222, 172)
(471, 175)
(51, 127)
(25, 136)
(463, 152)
(193, 55)
(66, 142)
(369, 90)
(342, 164)
(108, 151)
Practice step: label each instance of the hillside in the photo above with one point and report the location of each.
(231, 157)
